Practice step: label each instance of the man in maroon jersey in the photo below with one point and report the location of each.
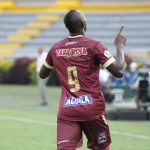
(76, 60)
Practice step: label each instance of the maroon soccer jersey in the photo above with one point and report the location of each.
(76, 61)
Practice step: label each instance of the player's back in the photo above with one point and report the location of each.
(73, 60)
(76, 61)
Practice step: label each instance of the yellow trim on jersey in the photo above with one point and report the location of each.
(48, 66)
(108, 62)
(104, 119)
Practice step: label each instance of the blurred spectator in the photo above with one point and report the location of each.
(118, 81)
(131, 76)
(142, 85)
(41, 82)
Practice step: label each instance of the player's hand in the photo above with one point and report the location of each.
(120, 40)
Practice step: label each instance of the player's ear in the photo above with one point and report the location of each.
(83, 25)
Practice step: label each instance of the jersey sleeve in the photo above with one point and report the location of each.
(48, 61)
(102, 55)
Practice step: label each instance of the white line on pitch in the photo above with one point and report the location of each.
(20, 119)
(139, 136)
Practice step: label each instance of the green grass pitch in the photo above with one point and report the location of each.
(24, 125)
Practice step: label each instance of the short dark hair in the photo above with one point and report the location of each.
(72, 21)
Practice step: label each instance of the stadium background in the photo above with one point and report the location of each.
(26, 25)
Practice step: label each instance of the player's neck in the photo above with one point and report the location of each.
(76, 34)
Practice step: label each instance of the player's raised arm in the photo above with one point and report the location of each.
(117, 68)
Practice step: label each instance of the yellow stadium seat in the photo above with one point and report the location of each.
(68, 3)
(10, 45)
(48, 17)
(6, 52)
(26, 9)
(7, 4)
(19, 37)
(29, 31)
(39, 24)
(113, 7)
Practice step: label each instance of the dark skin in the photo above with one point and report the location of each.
(116, 68)
(45, 72)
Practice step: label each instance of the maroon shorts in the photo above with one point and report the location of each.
(69, 134)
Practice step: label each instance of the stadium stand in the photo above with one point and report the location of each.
(23, 27)
(32, 2)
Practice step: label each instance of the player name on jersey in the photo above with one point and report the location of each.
(71, 52)
(81, 100)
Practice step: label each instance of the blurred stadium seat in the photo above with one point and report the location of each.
(26, 25)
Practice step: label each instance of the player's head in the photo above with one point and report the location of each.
(75, 22)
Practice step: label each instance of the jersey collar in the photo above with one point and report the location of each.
(75, 36)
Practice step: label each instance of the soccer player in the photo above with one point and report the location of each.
(41, 82)
(76, 60)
